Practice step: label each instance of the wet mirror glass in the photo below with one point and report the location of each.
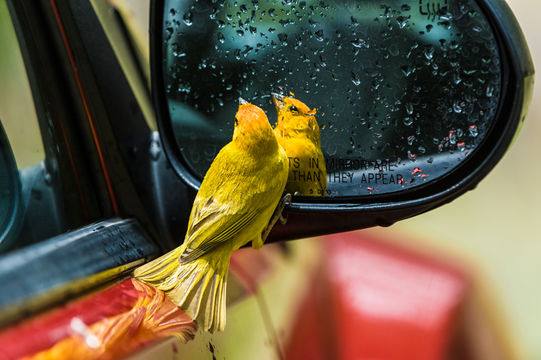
(403, 91)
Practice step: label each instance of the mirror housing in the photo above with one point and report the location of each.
(310, 216)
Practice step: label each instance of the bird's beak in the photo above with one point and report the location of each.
(278, 100)
(242, 101)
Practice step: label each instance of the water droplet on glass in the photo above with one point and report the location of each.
(407, 69)
(355, 79)
(284, 22)
(474, 132)
(360, 43)
(155, 149)
(188, 18)
(168, 32)
(490, 91)
(402, 21)
(452, 137)
(429, 53)
(221, 37)
(408, 121)
(282, 37)
(409, 108)
(319, 35)
(457, 106)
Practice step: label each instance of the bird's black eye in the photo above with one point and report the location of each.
(293, 108)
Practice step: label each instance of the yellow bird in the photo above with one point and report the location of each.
(236, 200)
(298, 133)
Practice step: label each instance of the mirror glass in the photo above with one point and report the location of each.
(403, 90)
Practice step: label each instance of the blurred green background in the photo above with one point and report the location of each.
(17, 111)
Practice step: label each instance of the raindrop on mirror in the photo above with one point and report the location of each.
(403, 92)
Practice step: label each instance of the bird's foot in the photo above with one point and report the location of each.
(277, 215)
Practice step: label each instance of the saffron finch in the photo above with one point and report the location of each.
(297, 132)
(237, 198)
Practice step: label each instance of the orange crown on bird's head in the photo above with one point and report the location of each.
(288, 103)
(295, 116)
(251, 124)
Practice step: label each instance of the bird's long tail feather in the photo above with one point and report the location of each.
(193, 285)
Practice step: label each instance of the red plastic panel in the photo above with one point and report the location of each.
(109, 324)
(382, 302)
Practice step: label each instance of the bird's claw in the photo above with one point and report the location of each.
(277, 215)
(286, 200)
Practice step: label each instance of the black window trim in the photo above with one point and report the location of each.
(54, 270)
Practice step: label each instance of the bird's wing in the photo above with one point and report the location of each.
(227, 203)
(213, 230)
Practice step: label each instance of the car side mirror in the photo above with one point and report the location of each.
(416, 100)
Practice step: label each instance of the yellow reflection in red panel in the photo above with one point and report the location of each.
(108, 325)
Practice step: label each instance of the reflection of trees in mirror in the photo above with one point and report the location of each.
(393, 85)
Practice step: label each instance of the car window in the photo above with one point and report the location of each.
(404, 90)
(38, 214)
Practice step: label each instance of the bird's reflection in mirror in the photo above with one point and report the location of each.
(297, 132)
